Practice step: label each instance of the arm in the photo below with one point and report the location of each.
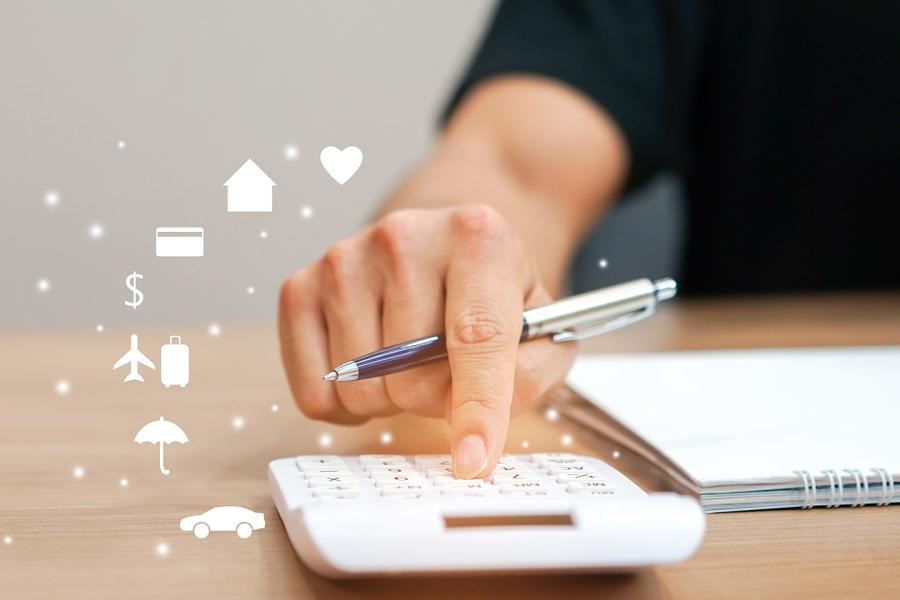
(520, 174)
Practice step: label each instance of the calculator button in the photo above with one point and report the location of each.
(323, 460)
(541, 456)
(336, 487)
(467, 492)
(332, 480)
(390, 470)
(402, 487)
(570, 468)
(567, 477)
(332, 494)
(317, 469)
(383, 459)
(397, 479)
(579, 486)
(472, 484)
(433, 459)
(503, 477)
(522, 485)
(443, 480)
(510, 468)
(435, 471)
(560, 461)
(516, 492)
(507, 459)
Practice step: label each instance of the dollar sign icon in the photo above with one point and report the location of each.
(137, 296)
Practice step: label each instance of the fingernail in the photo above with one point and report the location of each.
(470, 457)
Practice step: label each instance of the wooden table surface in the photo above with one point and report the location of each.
(92, 537)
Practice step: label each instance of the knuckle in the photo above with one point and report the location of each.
(338, 266)
(477, 327)
(529, 385)
(477, 222)
(363, 399)
(315, 410)
(293, 293)
(396, 235)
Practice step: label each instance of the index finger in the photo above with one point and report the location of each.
(483, 327)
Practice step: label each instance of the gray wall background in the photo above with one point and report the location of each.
(194, 89)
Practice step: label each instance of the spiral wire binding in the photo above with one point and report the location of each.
(836, 488)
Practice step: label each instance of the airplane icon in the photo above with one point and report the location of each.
(133, 357)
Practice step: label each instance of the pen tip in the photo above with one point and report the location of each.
(329, 376)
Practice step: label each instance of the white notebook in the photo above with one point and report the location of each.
(758, 429)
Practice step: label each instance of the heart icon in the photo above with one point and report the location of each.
(341, 164)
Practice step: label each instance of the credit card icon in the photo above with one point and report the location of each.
(172, 242)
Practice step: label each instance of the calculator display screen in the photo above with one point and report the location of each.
(509, 521)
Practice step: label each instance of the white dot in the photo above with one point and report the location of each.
(215, 330)
(602, 263)
(7, 539)
(274, 408)
(121, 144)
(525, 444)
(63, 387)
(325, 440)
(251, 290)
(616, 454)
(96, 231)
(100, 328)
(42, 285)
(51, 198)
(552, 414)
(566, 440)
(237, 422)
(307, 212)
(162, 549)
(386, 438)
(123, 482)
(78, 472)
(263, 234)
(291, 152)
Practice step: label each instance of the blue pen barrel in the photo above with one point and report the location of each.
(400, 357)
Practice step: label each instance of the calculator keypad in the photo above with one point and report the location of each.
(394, 477)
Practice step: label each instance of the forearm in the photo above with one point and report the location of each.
(544, 157)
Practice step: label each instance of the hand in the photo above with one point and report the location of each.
(462, 270)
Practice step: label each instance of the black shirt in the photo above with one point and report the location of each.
(781, 116)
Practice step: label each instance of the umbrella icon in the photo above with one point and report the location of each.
(161, 432)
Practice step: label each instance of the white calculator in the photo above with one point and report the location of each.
(376, 515)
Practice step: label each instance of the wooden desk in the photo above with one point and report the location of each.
(92, 537)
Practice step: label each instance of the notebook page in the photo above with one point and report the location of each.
(754, 415)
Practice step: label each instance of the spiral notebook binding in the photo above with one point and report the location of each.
(836, 487)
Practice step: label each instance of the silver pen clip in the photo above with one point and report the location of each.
(592, 329)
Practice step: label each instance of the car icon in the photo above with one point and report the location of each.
(224, 518)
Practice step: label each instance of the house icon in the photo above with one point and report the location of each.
(249, 189)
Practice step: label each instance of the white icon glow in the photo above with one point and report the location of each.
(386, 438)
(96, 231)
(291, 152)
(215, 330)
(274, 408)
(307, 212)
(100, 328)
(51, 198)
(566, 440)
(123, 482)
(42, 285)
(78, 472)
(162, 549)
(602, 263)
(121, 144)
(525, 443)
(251, 290)
(552, 414)
(263, 234)
(616, 454)
(63, 387)
(237, 422)
(7, 539)
(325, 440)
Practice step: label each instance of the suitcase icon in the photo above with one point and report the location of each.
(175, 361)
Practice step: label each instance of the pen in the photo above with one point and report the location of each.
(573, 318)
